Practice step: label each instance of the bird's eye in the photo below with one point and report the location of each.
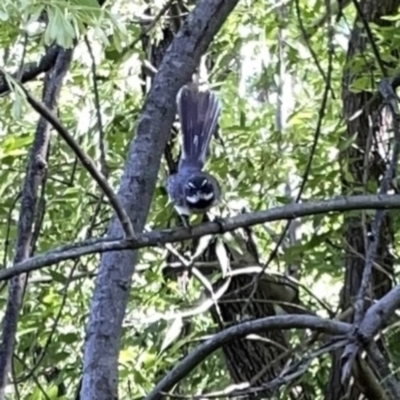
(204, 183)
(191, 185)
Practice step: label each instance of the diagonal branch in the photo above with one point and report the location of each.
(100, 369)
(86, 161)
(370, 37)
(378, 314)
(160, 237)
(29, 202)
(238, 331)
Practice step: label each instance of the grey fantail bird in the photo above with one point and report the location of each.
(191, 190)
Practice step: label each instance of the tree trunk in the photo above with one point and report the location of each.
(364, 162)
(111, 293)
(260, 359)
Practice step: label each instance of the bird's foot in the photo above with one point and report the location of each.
(221, 223)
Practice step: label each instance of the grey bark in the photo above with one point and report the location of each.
(100, 369)
(33, 180)
(157, 237)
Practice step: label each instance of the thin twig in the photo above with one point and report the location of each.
(86, 161)
(103, 161)
(153, 23)
(370, 37)
(306, 38)
(307, 171)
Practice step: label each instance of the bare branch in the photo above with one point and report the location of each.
(238, 331)
(100, 369)
(33, 180)
(157, 237)
(375, 317)
(378, 314)
(86, 161)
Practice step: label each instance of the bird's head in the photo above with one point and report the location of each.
(200, 192)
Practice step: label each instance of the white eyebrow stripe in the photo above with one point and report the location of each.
(193, 199)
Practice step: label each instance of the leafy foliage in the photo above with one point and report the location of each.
(271, 88)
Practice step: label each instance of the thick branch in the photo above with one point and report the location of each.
(378, 314)
(199, 354)
(33, 180)
(155, 238)
(100, 370)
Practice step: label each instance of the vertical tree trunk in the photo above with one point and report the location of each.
(364, 163)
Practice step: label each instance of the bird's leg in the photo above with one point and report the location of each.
(219, 221)
(185, 221)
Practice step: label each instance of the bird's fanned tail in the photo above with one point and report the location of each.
(199, 110)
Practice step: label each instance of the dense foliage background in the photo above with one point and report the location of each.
(279, 69)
